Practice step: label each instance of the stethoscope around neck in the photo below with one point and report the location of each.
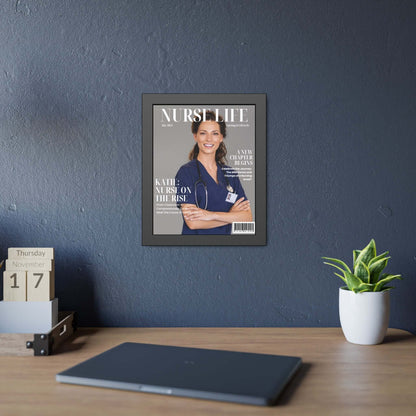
(201, 181)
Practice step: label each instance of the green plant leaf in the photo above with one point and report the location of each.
(362, 271)
(386, 288)
(365, 287)
(342, 277)
(386, 279)
(367, 253)
(376, 268)
(334, 265)
(355, 254)
(340, 262)
(352, 281)
(377, 258)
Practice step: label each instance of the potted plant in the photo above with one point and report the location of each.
(364, 303)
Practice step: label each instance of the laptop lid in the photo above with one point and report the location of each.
(190, 372)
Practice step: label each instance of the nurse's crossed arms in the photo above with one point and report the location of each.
(197, 218)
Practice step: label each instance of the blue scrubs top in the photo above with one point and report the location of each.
(187, 186)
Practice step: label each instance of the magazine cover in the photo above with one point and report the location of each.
(204, 169)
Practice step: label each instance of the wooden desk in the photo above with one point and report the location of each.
(337, 378)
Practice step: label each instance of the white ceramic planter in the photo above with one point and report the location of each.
(364, 316)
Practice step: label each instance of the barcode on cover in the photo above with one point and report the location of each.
(243, 228)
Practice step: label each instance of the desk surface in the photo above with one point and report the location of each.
(337, 377)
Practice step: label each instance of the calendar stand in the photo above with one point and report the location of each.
(41, 344)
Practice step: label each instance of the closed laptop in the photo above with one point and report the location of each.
(190, 372)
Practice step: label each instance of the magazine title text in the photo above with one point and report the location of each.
(189, 115)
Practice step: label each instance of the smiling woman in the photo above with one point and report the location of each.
(217, 198)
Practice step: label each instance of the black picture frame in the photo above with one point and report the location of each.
(254, 104)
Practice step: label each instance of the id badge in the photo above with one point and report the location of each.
(231, 197)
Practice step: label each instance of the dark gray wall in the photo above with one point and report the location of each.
(340, 78)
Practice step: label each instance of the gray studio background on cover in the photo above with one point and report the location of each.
(341, 120)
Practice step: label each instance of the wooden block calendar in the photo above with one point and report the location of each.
(30, 322)
(29, 275)
(29, 302)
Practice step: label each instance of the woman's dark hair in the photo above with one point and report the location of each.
(222, 150)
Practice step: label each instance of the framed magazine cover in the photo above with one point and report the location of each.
(204, 169)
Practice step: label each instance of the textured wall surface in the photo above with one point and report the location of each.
(340, 79)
